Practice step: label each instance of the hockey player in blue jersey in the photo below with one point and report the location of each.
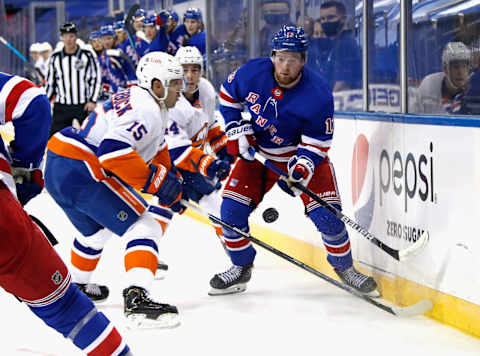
(291, 123)
(156, 31)
(119, 71)
(30, 268)
(191, 32)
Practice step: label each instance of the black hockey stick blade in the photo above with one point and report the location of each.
(129, 25)
(45, 230)
(419, 308)
(399, 255)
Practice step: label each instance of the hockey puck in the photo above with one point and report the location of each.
(270, 215)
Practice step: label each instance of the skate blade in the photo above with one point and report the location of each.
(373, 294)
(164, 321)
(238, 288)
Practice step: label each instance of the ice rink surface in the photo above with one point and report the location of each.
(285, 310)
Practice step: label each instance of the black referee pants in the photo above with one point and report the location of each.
(64, 114)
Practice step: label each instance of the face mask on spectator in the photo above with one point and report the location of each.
(277, 19)
(332, 28)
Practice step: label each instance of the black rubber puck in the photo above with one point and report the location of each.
(270, 215)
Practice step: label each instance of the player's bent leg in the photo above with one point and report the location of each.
(241, 251)
(141, 260)
(75, 317)
(337, 243)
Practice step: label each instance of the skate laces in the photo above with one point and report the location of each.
(354, 277)
(231, 274)
(92, 288)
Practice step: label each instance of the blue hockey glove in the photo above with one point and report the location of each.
(167, 186)
(225, 156)
(218, 169)
(300, 170)
(161, 20)
(29, 183)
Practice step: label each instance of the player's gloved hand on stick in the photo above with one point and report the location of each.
(29, 183)
(300, 170)
(225, 156)
(166, 185)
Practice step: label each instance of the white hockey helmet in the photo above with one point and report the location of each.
(161, 66)
(456, 51)
(189, 55)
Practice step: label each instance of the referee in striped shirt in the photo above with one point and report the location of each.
(74, 79)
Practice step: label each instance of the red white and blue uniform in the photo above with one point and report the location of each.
(285, 122)
(29, 266)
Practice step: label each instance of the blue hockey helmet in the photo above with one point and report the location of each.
(290, 38)
(193, 13)
(94, 35)
(174, 14)
(140, 14)
(107, 30)
(150, 20)
(119, 25)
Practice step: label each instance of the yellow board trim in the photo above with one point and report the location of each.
(447, 309)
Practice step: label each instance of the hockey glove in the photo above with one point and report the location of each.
(239, 147)
(166, 185)
(225, 156)
(162, 20)
(218, 169)
(29, 183)
(300, 170)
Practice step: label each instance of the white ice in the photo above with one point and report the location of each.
(285, 310)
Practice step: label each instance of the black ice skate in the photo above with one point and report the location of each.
(97, 293)
(362, 283)
(233, 280)
(143, 312)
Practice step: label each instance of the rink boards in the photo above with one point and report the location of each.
(399, 176)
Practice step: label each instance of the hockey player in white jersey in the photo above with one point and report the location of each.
(437, 90)
(91, 173)
(196, 142)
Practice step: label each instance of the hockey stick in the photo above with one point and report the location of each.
(29, 66)
(45, 230)
(399, 255)
(419, 308)
(129, 26)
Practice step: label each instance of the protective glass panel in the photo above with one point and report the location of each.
(335, 50)
(444, 58)
(384, 60)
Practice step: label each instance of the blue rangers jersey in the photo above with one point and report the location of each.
(285, 122)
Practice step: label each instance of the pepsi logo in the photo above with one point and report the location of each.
(363, 183)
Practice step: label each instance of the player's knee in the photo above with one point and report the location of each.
(327, 223)
(145, 227)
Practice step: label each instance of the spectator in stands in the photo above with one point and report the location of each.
(338, 57)
(276, 13)
(468, 102)
(437, 90)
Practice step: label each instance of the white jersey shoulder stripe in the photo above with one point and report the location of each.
(25, 99)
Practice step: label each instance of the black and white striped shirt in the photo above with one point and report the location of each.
(73, 78)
